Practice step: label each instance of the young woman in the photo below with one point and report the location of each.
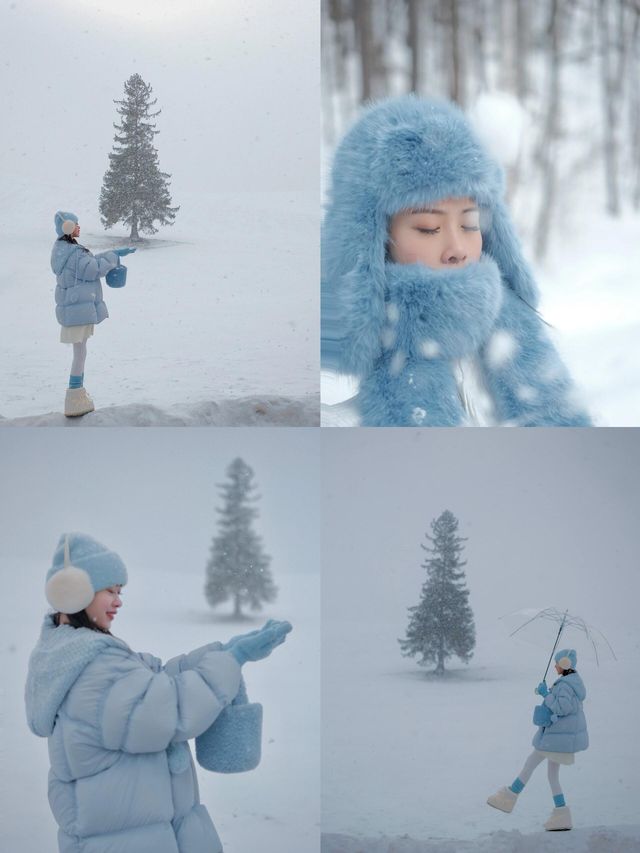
(563, 733)
(122, 779)
(79, 302)
(426, 297)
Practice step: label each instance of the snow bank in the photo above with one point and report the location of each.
(244, 411)
(598, 839)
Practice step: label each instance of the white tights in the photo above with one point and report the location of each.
(79, 358)
(553, 771)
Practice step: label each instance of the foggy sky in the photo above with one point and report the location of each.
(551, 517)
(234, 79)
(150, 494)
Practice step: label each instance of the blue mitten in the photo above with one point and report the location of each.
(542, 689)
(258, 644)
(126, 251)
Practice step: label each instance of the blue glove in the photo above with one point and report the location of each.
(259, 644)
(542, 689)
(122, 252)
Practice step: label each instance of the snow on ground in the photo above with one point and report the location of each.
(221, 308)
(600, 839)
(274, 808)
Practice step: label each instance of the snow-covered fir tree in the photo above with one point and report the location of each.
(441, 625)
(134, 190)
(238, 568)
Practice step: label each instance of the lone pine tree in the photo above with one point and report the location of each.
(441, 625)
(134, 190)
(238, 568)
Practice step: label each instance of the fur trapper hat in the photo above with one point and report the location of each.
(403, 153)
(65, 223)
(566, 659)
(81, 567)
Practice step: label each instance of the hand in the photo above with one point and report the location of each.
(542, 689)
(259, 644)
(125, 251)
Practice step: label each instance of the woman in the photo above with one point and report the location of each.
(426, 297)
(79, 302)
(563, 733)
(122, 778)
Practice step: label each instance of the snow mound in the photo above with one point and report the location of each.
(252, 411)
(598, 839)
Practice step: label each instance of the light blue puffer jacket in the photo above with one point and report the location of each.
(122, 779)
(568, 729)
(78, 290)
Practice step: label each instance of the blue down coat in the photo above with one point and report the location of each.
(78, 290)
(568, 729)
(405, 331)
(122, 779)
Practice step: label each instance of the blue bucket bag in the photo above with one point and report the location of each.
(117, 277)
(541, 716)
(233, 743)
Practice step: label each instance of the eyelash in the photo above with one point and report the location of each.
(435, 230)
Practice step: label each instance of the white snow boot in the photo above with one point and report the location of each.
(77, 402)
(504, 799)
(560, 819)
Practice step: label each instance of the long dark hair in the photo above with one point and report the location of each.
(79, 620)
(69, 239)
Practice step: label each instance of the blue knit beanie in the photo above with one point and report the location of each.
(566, 659)
(65, 222)
(81, 567)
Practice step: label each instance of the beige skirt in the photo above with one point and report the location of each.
(75, 334)
(559, 757)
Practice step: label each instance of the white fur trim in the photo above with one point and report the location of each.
(69, 590)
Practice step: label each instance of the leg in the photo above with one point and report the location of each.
(523, 777)
(77, 365)
(553, 773)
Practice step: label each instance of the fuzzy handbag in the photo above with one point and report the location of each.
(541, 716)
(117, 277)
(232, 744)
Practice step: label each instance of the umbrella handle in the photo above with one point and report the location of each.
(555, 645)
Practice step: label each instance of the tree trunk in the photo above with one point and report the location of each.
(609, 87)
(134, 229)
(236, 606)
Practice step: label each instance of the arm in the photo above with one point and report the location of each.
(91, 266)
(561, 701)
(144, 711)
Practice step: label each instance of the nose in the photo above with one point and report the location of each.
(453, 252)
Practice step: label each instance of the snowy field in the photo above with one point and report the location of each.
(205, 332)
(409, 759)
(274, 808)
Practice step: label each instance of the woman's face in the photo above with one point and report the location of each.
(443, 234)
(76, 230)
(105, 606)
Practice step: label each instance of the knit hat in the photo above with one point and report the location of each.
(81, 567)
(566, 659)
(65, 222)
(405, 153)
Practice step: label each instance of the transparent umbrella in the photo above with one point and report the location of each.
(538, 626)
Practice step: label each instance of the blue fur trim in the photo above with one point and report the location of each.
(517, 785)
(75, 381)
(559, 801)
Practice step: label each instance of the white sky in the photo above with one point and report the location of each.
(237, 82)
(150, 493)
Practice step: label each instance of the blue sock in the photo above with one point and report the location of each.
(76, 381)
(559, 800)
(517, 785)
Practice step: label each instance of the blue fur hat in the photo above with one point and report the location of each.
(402, 153)
(81, 567)
(65, 222)
(566, 659)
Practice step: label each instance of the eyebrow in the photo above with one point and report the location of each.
(440, 212)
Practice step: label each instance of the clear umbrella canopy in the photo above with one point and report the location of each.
(544, 627)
